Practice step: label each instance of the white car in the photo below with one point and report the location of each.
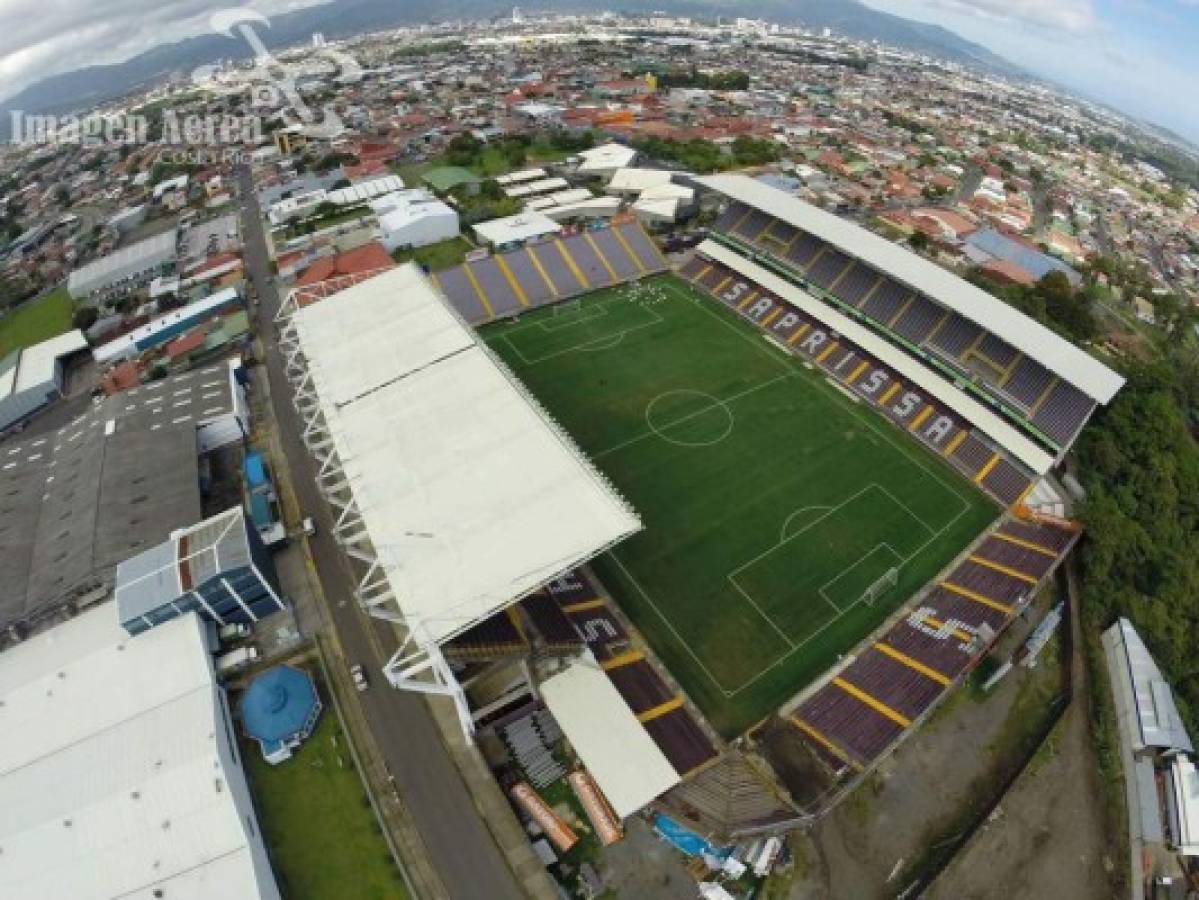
(309, 526)
(359, 676)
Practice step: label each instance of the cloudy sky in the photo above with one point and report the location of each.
(1140, 56)
(45, 37)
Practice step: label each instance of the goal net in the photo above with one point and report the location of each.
(881, 585)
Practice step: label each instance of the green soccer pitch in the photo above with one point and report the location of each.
(783, 522)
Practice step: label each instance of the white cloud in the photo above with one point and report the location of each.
(39, 39)
(1074, 16)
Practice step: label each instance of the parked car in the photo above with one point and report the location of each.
(309, 526)
(359, 675)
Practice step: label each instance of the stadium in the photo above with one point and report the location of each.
(806, 466)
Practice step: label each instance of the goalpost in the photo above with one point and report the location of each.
(881, 585)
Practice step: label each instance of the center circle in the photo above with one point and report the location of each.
(689, 418)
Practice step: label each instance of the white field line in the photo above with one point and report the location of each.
(861, 559)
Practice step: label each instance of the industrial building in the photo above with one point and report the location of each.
(136, 264)
(77, 501)
(413, 218)
(120, 774)
(32, 378)
(159, 331)
(218, 568)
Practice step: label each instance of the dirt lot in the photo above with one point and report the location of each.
(1051, 808)
(1049, 836)
(921, 795)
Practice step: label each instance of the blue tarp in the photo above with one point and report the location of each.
(687, 841)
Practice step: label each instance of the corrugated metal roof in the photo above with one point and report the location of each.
(1031, 338)
(1157, 714)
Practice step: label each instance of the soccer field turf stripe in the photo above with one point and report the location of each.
(583, 605)
(474, 283)
(986, 470)
(675, 702)
(920, 667)
(873, 702)
(816, 735)
(1006, 570)
(976, 597)
(624, 659)
(512, 280)
(1029, 545)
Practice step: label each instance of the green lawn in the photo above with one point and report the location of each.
(318, 825)
(435, 257)
(35, 322)
(773, 505)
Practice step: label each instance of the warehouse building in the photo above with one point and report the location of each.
(218, 568)
(76, 502)
(159, 331)
(33, 378)
(414, 219)
(134, 265)
(120, 774)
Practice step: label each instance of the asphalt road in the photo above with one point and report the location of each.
(460, 847)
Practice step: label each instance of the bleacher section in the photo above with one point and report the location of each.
(866, 706)
(507, 284)
(728, 799)
(937, 427)
(658, 707)
(1045, 406)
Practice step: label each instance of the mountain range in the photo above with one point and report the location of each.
(83, 88)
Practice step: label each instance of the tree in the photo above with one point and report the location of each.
(85, 317)
(919, 240)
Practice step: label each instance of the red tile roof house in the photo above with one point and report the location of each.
(367, 258)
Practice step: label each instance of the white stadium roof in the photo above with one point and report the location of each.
(38, 362)
(512, 229)
(909, 368)
(112, 774)
(616, 749)
(471, 497)
(1031, 338)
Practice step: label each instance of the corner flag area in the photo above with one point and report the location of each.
(784, 522)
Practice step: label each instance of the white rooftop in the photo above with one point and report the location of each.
(616, 749)
(37, 362)
(514, 229)
(471, 496)
(113, 780)
(606, 158)
(1031, 338)
(631, 179)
